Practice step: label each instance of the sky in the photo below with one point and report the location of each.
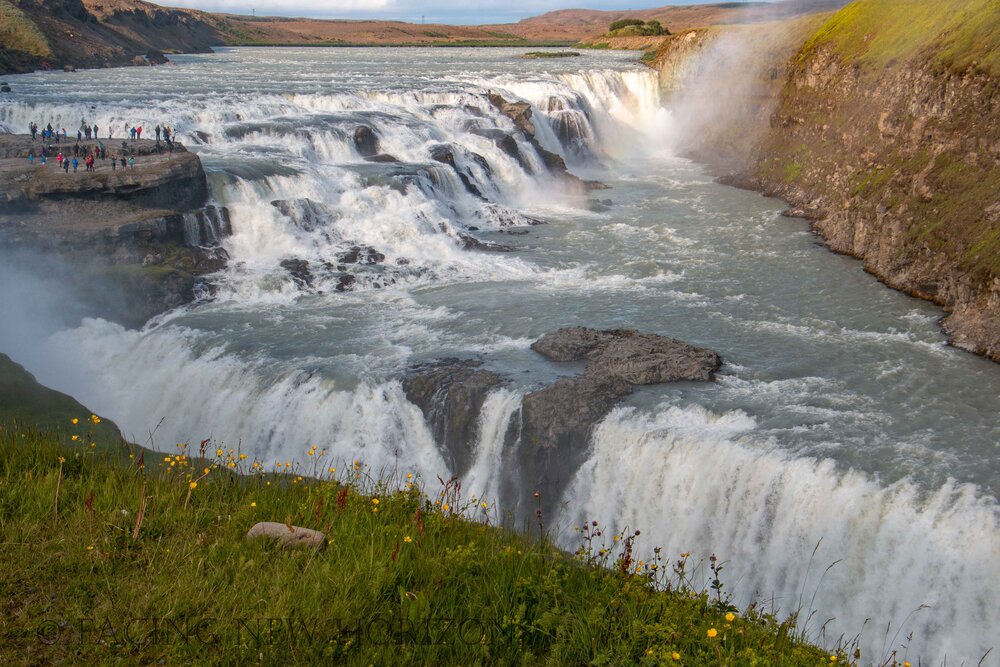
(432, 11)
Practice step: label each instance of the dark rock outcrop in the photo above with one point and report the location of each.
(444, 155)
(470, 242)
(360, 255)
(131, 244)
(520, 114)
(299, 270)
(549, 436)
(366, 141)
(556, 421)
(451, 393)
(637, 358)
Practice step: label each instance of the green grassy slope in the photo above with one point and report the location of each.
(955, 33)
(402, 580)
(30, 405)
(19, 33)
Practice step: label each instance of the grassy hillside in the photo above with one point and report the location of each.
(955, 33)
(24, 401)
(22, 43)
(146, 563)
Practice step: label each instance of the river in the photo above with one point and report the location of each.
(840, 418)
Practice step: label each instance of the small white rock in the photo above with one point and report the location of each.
(288, 536)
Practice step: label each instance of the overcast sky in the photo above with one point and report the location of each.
(434, 11)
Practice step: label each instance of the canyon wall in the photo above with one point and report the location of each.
(883, 129)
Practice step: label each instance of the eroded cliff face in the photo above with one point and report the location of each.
(129, 244)
(104, 33)
(897, 165)
(901, 169)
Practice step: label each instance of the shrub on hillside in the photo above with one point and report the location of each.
(637, 28)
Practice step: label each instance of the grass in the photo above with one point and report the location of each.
(19, 33)
(138, 566)
(881, 33)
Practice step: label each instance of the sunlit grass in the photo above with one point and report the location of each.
(98, 543)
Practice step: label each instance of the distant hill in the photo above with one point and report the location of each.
(39, 34)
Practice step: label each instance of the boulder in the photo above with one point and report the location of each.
(470, 242)
(518, 112)
(366, 141)
(637, 358)
(451, 393)
(556, 421)
(382, 158)
(288, 536)
(346, 282)
(4, 88)
(360, 255)
(299, 270)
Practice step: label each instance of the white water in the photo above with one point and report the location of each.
(840, 415)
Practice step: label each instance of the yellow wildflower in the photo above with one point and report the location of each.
(62, 459)
(95, 419)
(409, 475)
(232, 465)
(484, 505)
(407, 539)
(675, 656)
(253, 504)
(74, 421)
(445, 507)
(712, 632)
(193, 485)
(332, 470)
(730, 617)
(374, 501)
(75, 438)
(242, 456)
(218, 452)
(90, 547)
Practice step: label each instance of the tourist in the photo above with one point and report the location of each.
(95, 130)
(158, 134)
(131, 163)
(123, 162)
(138, 132)
(65, 166)
(114, 163)
(42, 159)
(31, 158)
(34, 130)
(76, 163)
(59, 158)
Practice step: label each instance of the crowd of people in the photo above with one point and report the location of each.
(55, 144)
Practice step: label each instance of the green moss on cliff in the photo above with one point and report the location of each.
(957, 33)
(19, 33)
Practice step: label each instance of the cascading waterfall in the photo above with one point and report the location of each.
(278, 362)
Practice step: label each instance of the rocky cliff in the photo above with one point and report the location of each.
(885, 132)
(132, 243)
(43, 34)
